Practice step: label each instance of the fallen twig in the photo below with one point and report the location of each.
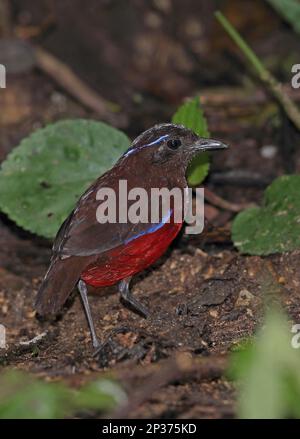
(34, 340)
(240, 177)
(67, 79)
(237, 96)
(6, 28)
(181, 368)
(217, 201)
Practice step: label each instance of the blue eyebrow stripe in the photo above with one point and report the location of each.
(133, 149)
(157, 140)
(151, 229)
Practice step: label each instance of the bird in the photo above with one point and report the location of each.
(88, 252)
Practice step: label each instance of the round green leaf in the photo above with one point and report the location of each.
(275, 227)
(41, 179)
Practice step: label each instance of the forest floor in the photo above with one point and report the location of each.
(204, 296)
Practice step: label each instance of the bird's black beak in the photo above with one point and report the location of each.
(208, 145)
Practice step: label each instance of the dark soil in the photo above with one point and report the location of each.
(202, 302)
(204, 296)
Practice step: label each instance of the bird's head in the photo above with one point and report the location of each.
(171, 144)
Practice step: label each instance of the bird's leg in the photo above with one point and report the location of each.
(83, 293)
(128, 298)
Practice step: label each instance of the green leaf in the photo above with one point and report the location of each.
(268, 372)
(275, 227)
(41, 179)
(191, 115)
(100, 394)
(289, 10)
(25, 397)
(22, 397)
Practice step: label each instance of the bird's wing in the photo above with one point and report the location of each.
(82, 235)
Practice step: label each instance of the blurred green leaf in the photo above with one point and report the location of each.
(191, 115)
(43, 177)
(275, 227)
(100, 394)
(25, 397)
(289, 10)
(268, 372)
(22, 397)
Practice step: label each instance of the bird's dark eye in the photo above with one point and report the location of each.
(174, 143)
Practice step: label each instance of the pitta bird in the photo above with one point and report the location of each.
(88, 252)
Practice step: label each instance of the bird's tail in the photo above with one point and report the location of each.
(58, 283)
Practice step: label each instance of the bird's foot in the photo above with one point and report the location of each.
(129, 300)
(135, 305)
(96, 343)
(99, 348)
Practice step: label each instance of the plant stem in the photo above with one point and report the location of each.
(275, 87)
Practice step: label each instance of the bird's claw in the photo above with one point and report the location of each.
(136, 306)
(97, 352)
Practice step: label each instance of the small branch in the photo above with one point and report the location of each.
(223, 204)
(234, 95)
(6, 27)
(182, 367)
(34, 340)
(240, 177)
(275, 87)
(68, 80)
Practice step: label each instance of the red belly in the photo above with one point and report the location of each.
(129, 259)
